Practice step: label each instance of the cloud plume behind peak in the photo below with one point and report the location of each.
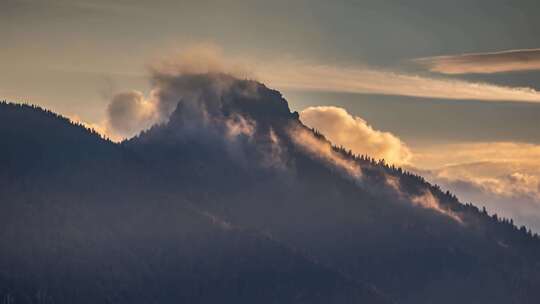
(197, 77)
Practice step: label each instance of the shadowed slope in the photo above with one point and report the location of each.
(90, 226)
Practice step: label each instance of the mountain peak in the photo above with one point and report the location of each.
(221, 96)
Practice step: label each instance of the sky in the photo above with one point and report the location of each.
(448, 89)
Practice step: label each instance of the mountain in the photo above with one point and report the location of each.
(232, 199)
(80, 223)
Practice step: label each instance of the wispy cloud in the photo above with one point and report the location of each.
(323, 150)
(483, 63)
(429, 201)
(291, 73)
(129, 112)
(373, 81)
(436, 156)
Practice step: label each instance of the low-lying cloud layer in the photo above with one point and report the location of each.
(504, 177)
(354, 133)
(484, 63)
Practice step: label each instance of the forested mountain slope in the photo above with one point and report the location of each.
(89, 227)
(233, 198)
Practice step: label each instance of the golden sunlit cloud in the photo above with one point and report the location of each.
(354, 133)
(484, 63)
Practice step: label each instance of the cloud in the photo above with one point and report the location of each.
(484, 63)
(514, 195)
(425, 200)
(506, 180)
(289, 73)
(202, 58)
(323, 150)
(503, 176)
(373, 81)
(439, 155)
(192, 77)
(129, 112)
(203, 104)
(354, 133)
(429, 201)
